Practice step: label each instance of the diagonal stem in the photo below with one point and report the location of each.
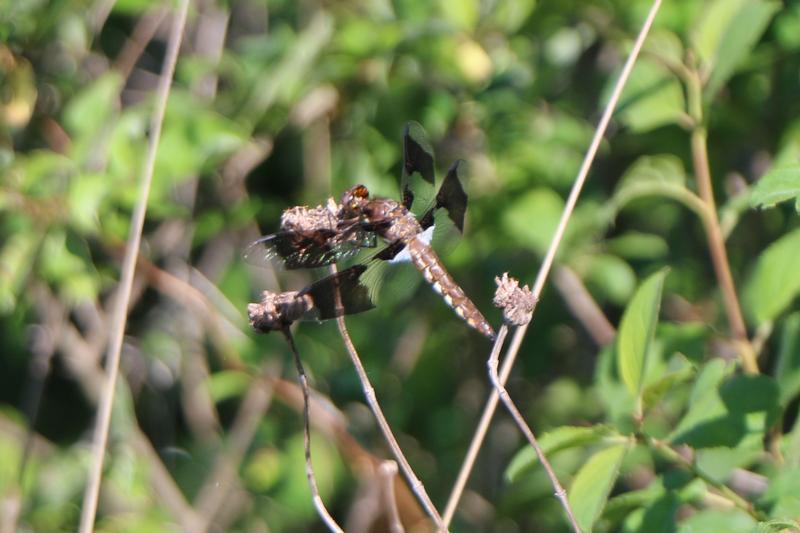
(100, 438)
(492, 363)
(547, 264)
(369, 393)
(714, 236)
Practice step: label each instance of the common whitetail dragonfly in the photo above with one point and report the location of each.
(337, 295)
(315, 237)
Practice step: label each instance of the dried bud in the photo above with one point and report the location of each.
(276, 310)
(516, 302)
(304, 219)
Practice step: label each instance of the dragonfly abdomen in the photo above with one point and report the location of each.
(427, 262)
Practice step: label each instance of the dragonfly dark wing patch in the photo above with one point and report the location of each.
(296, 250)
(340, 294)
(451, 196)
(418, 176)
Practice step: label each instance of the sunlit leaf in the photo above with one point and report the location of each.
(636, 332)
(774, 284)
(593, 483)
(554, 441)
(777, 185)
(653, 97)
(532, 218)
(726, 33)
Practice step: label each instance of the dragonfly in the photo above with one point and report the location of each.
(323, 235)
(339, 294)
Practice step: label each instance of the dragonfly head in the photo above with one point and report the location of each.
(353, 201)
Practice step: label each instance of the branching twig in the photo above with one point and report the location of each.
(118, 321)
(544, 270)
(312, 479)
(372, 401)
(388, 473)
(560, 493)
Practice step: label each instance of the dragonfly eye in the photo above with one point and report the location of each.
(360, 191)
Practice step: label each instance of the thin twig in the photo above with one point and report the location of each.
(492, 363)
(118, 321)
(312, 479)
(544, 270)
(388, 474)
(372, 401)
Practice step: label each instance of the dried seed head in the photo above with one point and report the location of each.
(276, 310)
(310, 219)
(516, 302)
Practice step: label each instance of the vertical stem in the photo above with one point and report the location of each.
(100, 437)
(312, 478)
(714, 236)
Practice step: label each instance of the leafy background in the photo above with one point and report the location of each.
(283, 103)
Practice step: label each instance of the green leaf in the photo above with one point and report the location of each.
(552, 442)
(636, 332)
(775, 281)
(787, 369)
(636, 245)
(653, 97)
(532, 219)
(462, 14)
(611, 277)
(659, 175)
(777, 185)
(726, 34)
(89, 110)
(735, 412)
(228, 384)
(778, 525)
(730, 521)
(593, 483)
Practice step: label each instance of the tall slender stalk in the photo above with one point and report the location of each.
(119, 317)
(547, 264)
(714, 235)
(369, 392)
(560, 493)
(312, 478)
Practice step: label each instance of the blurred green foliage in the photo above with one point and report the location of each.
(284, 103)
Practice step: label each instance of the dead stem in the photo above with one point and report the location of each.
(312, 479)
(492, 364)
(388, 473)
(544, 270)
(369, 392)
(89, 508)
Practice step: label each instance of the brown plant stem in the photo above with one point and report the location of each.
(502, 393)
(119, 318)
(369, 392)
(547, 264)
(714, 236)
(312, 478)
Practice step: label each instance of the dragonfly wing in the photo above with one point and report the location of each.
(295, 250)
(340, 294)
(417, 181)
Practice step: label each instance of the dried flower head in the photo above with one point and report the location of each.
(277, 310)
(516, 302)
(305, 219)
